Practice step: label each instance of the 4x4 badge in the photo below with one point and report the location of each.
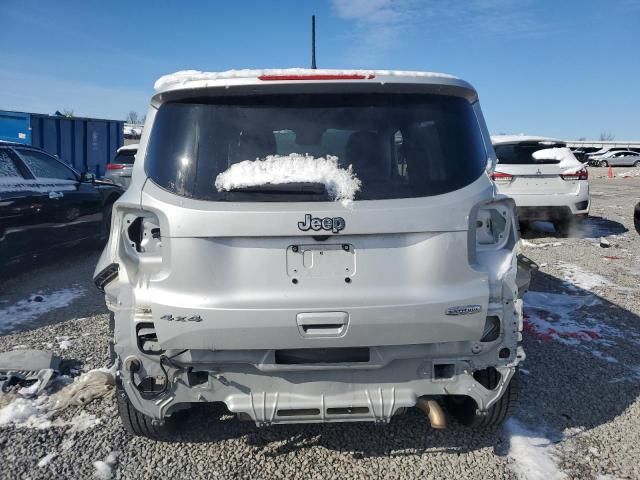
(171, 318)
(335, 224)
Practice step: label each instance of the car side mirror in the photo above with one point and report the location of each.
(88, 177)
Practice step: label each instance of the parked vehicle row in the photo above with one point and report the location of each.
(45, 204)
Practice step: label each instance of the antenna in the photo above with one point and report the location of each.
(313, 42)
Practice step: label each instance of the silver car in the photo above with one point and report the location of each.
(624, 158)
(314, 246)
(119, 169)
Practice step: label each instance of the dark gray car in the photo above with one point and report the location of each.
(624, 158)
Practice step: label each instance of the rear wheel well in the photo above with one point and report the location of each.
(111, 199)
(106, 214)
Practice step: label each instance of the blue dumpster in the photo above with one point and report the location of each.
(87, 144)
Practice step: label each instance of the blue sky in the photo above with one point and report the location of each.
(567, 68)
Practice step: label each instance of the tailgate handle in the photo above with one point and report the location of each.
(322, 324)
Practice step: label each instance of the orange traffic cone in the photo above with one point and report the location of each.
(610, 172)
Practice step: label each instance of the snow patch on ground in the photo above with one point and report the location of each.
(46, 460)
(64, 342)
(557, 317)
(526, 243)
(579, 278)
(604, 356)
(24, 410)
(342, 184)
(37, 304)
(83, 421)
(534, 456)
(104, 468)
(634, 375)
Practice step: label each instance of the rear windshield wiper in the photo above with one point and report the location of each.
(279, 192)
(284, 188)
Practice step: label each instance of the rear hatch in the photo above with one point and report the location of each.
(519, 173)
(287, 266)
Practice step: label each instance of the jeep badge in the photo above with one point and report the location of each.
(335, 224)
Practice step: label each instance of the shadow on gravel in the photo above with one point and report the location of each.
(408, 434)
(565, 385)
(582, 372)
(32, 292)
(590, 227)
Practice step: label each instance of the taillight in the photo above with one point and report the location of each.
(500, 177)
(582, 174)
(115, 166)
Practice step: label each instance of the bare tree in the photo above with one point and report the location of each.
(606, 137)
(582, 139)
(67, 113)
(132, 117)
(143, 120)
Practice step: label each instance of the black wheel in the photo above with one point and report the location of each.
(465, 410)
(603, 163)
(636, 217)
(563, 227)
(139, 424)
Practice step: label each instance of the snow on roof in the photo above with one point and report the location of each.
(500, 139)
(133, 146)
(196, 79)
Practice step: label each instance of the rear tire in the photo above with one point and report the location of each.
(637, 164)
(465, 410)
(563, 227)
(603, 163)
(139, 424)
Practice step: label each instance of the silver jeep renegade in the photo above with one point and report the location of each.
(314, 246)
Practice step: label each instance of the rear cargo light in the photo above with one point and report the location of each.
(582, 174)
(115, 166)
(500, 177)
(316, 77)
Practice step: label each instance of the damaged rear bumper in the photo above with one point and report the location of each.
(269, 394)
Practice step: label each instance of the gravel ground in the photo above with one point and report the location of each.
(578, 416)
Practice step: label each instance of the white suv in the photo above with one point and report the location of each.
(544, 178)
(313, 246)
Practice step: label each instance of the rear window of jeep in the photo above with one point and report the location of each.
(398, 145)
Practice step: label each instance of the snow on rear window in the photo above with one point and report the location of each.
(340, 183)
(564, 156)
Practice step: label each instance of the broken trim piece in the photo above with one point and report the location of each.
(105, 276)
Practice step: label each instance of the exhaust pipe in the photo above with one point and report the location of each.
(432, 410)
